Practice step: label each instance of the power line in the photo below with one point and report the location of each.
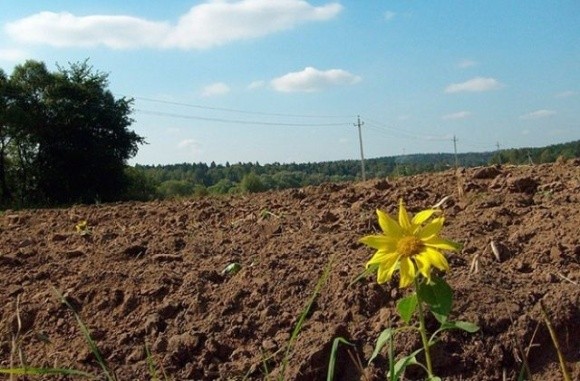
(191, 105)
(237, 121)
(409, 135)
(380, 128)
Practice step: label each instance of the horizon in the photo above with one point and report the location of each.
(355, 159)
(285, 80)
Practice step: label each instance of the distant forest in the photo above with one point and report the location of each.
(199, 179)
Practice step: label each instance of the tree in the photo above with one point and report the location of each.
(70, 137)
(139, 187)
(175, 188)
(251, 183)
(4, 137)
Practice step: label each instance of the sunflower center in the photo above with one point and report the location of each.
(409, 246)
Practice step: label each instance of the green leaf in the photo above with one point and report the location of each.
(403, 363)
(439, 296)
(466, 326)
(407, 306)
(232, 268)
(303, 316)
(440, 318)
(333, 354)
(384, 337)
(48, 371)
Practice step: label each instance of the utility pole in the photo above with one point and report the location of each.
(362, 155)
(455, 150)
(498, 153)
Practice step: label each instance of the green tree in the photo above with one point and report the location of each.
(4, 138)
(70, 137)
(251, 183)
(222, 187)
(175, 188)
(140, 186)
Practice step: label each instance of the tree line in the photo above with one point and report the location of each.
(64, 138)
(175, 180)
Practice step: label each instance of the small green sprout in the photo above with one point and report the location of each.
(232, 269)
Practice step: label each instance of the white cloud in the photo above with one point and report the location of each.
(13, 55)
(256, 85)
(218, 22)
(477, 84)
(190, 145)
(66, 30)
(457, 115)
(212, 23)
(311, 79)
(464, 64)
(215, 89)
(389, 15)
(538, 114)
(566, 94)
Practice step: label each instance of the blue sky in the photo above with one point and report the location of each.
(284, 80)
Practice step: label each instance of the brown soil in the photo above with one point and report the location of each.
(151, 273)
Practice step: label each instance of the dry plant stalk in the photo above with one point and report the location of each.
(357, 363)
(554, 337)
(474, 266)
(460, 190)
(495, 250)
(15, 338)
(526, 353)
(566, 279)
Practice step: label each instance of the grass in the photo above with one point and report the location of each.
(303, 315)
(334, 355)
(87, 335)
(152, 367)
(23, 369)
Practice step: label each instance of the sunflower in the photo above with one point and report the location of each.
(411, 244)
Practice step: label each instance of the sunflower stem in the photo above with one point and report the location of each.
(423, 330)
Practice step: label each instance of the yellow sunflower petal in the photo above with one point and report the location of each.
(380, 242)
(408, 272)
(387, 265)
(381, 257)
(423, 216)
(431, 228)
(396, 266)
(386, 271)
(440, 243)
(435, 258)
(424, 266)
(404, 217)
(388, 225)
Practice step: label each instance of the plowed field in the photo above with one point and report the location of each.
(152, 274)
